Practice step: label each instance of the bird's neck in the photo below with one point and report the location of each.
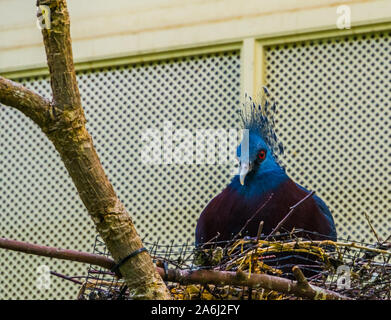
(258, 183)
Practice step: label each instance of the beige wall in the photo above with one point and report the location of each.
(104, 29)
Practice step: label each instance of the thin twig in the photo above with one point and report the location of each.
(260, 227)
(289, 214)
(372, 228)
(62, 276)
(211, 240)
(250, 219)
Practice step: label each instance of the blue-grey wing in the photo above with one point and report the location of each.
(326, 211)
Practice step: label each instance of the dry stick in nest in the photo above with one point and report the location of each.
(252, 217)
(212, 240)
(240, 278)
(380, 243)
(260, 227)
(239, 234)
(291, 209)
(279, 225)
(372, 228)
(298, 288)
(350, 244)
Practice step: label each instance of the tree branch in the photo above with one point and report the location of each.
(28, 102)
(64, 125)
(64, 254)
(58, 47)
(299, 288)
(242, 279)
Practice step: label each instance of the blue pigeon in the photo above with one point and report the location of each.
(262, 191)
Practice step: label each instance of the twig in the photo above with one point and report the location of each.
(211, 240)
(250, 219)
(279, 224)
(387, 239)
(30, 103)
(260, 227)
(289, 214)
(329, 243)
(301, 280)
(92, 283)
(58, 253)
(65, 277)
(255, 281)
(81, 291)
(372, 228)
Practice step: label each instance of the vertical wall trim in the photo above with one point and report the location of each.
(247, 56)
(252, 62)
(259, 68)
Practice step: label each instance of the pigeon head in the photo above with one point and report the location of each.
(255, 157)
(259, 149)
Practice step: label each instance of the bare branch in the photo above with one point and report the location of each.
(30, 103)
(239, 234)
(254, 281)
(57, 253)
(58, 46)
(372, 228)
(289, 214)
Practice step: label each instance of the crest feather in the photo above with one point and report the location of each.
(259, 118)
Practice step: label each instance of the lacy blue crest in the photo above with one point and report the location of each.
(259, 118)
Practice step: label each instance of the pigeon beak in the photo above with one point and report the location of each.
(245, 167)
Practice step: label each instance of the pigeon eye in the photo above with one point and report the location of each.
(262, 155)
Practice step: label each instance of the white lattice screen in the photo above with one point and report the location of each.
(38, 202)
(334, 121)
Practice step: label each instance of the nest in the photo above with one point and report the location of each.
(354, 270)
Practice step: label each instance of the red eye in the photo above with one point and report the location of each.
(262, 155)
